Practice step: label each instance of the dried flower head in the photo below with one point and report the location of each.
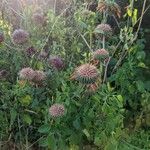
(20, 36)
(39, 76)
(86, 74)
(57, 110)
(56, 62)
(110, 7)
(30, 51)
(38, 19)
(27, 74)
(1, 37)
(104, 29)
(100, 54)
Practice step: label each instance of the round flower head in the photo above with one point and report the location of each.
(100, 54)
(27, 74)
(38, 19)
(86, 74)
(30, 51)
(39, 76)
(20, 36)
(1, 37)
(109, 7)
(56, 62)
(57, 110)
(104, 29)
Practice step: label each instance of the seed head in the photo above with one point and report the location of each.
(109, 7)
(57, 110)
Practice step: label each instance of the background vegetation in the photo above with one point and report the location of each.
(102, 97)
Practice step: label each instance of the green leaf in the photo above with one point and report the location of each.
(86, 133)
(13, 115)
(140, 86)
(27, 119)
(44, 128)
(51, 142)
(25, 101)
(43, 142)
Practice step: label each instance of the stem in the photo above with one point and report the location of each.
(106, 68)
(103, 41)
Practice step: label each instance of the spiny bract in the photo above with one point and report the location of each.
(86, 74)
(100, 54)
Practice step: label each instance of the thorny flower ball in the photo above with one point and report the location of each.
(20, 36)
(27, 74)
(104, 29)
(86, 74)
(57, 110)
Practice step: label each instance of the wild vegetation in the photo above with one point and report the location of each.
(74, 75)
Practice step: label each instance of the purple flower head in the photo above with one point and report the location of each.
(56, 62)
(57, 110)
(27, 74)
(20, 36)
(38, 19)
(30, 51)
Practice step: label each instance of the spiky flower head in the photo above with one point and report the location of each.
(27, 74)
(39, 19)
(104, 29)
(100, 54)
(109, 7)
(86, 74)
(1, 37)
(39, 76)
(30, 51)
(20, 36)
(56, 62)
(57, 110)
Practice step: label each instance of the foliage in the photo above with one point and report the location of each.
(108, 109)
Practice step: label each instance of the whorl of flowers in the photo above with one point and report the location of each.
(20, 36)
(56, 62)
(57, 110)
(38, 19)
(27, 74)
(86, 74)
(100, 54)
(109, 7)
(1, 37)
(30, 51)
(39, 76)
(104, 29)
(31, 75)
